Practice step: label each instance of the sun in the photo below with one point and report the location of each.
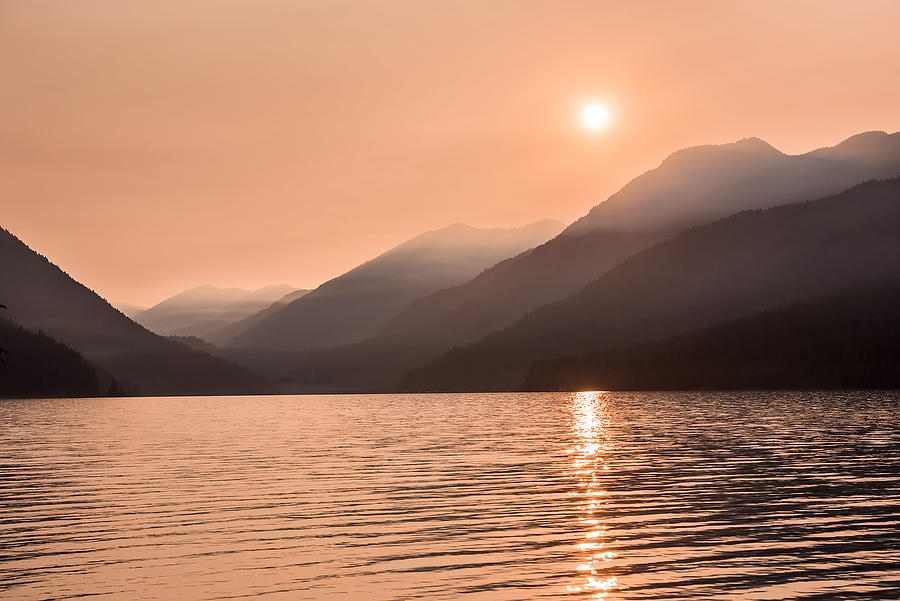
(595, 116)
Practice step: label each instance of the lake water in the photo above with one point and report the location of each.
(479, 496)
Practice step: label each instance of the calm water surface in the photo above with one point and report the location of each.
(501, 497)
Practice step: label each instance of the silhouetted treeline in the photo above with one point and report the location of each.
(35, 365)
(2, 350)
(851, 340)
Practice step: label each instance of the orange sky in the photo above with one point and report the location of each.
(151, 145)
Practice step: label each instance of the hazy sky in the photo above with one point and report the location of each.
(148, 145)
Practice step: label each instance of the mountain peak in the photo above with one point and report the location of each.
(699, 155)
(459, 225)
(864, 137)
(700, 183)
(863, 144)
(205, 308)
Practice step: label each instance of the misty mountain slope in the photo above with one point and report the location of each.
(236, 328)
(354, 305)
(204, 309)
(847, 341)
(424, 329)
(749, 262)
(510, 289)
(35, 365)
(40, 296)
(691, 187)
(699, 184)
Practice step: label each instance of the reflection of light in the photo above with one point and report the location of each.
(588, 546)
(590, 427)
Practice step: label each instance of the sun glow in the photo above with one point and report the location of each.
(595, 116)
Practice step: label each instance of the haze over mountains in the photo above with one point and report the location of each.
(205, 309)
(353, 306)
(41, 297)
(749, 262)
(715, 233)
(230, 331)
(691, 187)
(702, 183)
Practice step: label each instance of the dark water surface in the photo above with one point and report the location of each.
(506, 496)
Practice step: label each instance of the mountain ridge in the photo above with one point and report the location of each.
(783, 251)
(42, 297)
(354, 305)
(850, 340)
(501, 294)
(202, 309)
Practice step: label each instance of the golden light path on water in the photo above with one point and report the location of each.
(452, 497)
(590, 429)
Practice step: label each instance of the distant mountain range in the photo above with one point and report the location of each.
(238, 327)
(709, 271)
(205, 309)
(353, 306)
(691, 187)
(752, 261)
(41, 298)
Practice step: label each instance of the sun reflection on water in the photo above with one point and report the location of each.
(590, 428)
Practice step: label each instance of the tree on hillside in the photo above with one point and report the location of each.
(1, 348)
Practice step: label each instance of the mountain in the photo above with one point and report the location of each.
(752, 261)
(355, 305)
(35, 365)
(40, 296)
(847, 341)
(703, 183)
(691, 187)
(233, 330)
(204, 309)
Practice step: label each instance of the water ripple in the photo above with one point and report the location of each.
(496, 497)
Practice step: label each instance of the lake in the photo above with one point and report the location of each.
(468, 496)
